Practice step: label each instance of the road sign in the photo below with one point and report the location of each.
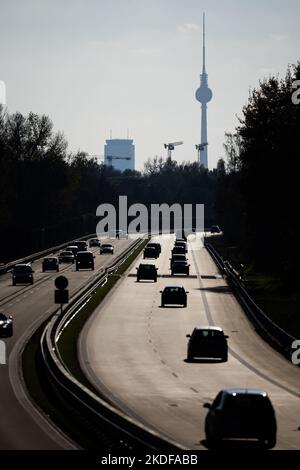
(61, 296)
(61, 282)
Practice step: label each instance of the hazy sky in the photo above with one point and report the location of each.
(96, 65)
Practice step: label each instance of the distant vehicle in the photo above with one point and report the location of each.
(180, 267)
(215, 229)
(150, 252)
(66, 257)
(207, 342)
(94, 242)
(180, 235)
(106, 248)
(6, 326)
(174, 295)
(81, 244)
(146, 272)
(178, 250)
(241, 413)
(182, 244)
(73, 248)
(50, 264)
(157, 247)
(85, 260)
(22, 273)
(118, 234)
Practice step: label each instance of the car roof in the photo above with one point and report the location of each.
(244, 391)
(209, 327)
(172, 287)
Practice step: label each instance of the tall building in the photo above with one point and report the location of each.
(203, 95)
(119, 153)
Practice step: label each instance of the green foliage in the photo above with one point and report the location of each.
(256, 201)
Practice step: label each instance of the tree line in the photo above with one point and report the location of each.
(49, 195)
(256, 199)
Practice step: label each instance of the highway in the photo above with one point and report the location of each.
(134, 352)
(22, 426)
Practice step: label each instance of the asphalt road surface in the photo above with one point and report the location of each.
(21, 425)
(134, 351)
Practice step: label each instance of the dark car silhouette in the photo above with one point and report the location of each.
(174, 295)
(50, 264)
(146, 272)
(207, 342)
(6, 325)
(157, 247)
(241, 413)
(66, 257)
(94, 242)
(85, 260)
(22, 273)
(183, 244)
(106, 248)
(180, 267)
(150, 252)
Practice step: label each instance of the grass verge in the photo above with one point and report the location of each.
(266, 289)
(33, 370)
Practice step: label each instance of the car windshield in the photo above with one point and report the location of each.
(22, 269)
(174, 290)
(106, 246)
(66, 253)
(146, 266)
(208, 334)
(50, 260)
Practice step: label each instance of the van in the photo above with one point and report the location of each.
(85, 260)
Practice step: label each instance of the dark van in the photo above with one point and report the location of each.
(85, 260)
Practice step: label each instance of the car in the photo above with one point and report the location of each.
(81, 244)
(150, 252)
(157, 246)
(22, 273)
(215, 229)
(85, 260)
(66, 257)
(180, 267)
(94, 242)
(207, 342)
(174, 295)
(6, 325)
(180, 235)
(73, 248)
(241, 413)
(50, 264)
(106, 248)
(146, 272)
(181, 243)
(174, 258)
(178, 250)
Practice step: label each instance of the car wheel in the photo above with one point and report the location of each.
(155, 280)
(162, 304)
(14, 283)
(185, 304)
(77, 269)
(43, 270)
(268, 442)
(190, 358)
(11, 331)
(31, 282)
(57, 270)
(225, 357)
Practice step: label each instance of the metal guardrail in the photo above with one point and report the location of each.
(118, 431)
(280, 339)
(5, 267)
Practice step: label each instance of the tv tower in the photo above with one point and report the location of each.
(203, 95)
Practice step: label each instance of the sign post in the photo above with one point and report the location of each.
(61, 293)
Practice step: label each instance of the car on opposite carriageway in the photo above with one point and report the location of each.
(6, 325)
